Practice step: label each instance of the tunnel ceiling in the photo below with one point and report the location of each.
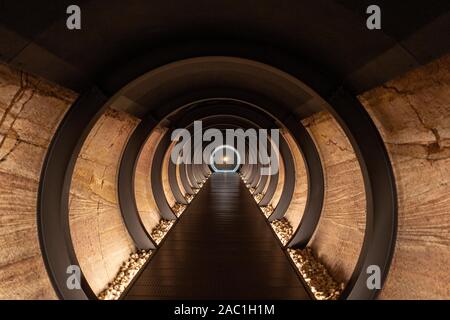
(113, 34)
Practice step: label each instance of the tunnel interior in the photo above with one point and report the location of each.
(221, 154)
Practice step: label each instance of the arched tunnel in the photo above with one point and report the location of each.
(224, 150)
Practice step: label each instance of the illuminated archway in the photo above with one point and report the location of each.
(238, 158)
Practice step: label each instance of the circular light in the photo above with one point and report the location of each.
(211, 158)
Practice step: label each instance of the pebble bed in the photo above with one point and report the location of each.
(283, 229)
(161, 229)
(178, 208)
(189, 197)
(258, 197)
(126, 273)
(267, 210)
(315, 274)
(252, 190)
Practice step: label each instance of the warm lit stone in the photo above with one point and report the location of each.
(100, 237)
(412, 114)
(342, 221)
(258, 197)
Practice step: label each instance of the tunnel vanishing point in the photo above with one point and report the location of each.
(354, 202)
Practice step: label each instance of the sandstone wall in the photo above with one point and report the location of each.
(339, 235)
(30, 111)
(413, 115)
(98, 232)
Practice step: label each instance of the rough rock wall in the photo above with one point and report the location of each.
(179, 182)
(30, 111)
(413, 115)
(98, 232)
(339, 235)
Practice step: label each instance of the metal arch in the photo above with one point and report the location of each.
(262, 183)
(219, 121)
(165, 210)
(99, 107)
(125, 185)
(301, 137)
(314, 201)
(288, 185)
(153, 176)
(179, 197)
(223, 112)
(254, 171)
(379, 242)
(232, 121)
(205, 170)
(381, 219)
(246, 123)
(184, 179)
(197, 172)
(190, 175)
(381, 195)
(271, 188)
(216, 122)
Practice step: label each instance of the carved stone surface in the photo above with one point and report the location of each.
(413, 115)
(98, 232)
(339, 235)
(30, 111)
(179, 181)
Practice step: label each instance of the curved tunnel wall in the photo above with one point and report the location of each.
(100, 238)
(146, 204)
(419, 142)
(165, 177)
(339, 235)
(412, 114)
(30, 112)
(297, 205)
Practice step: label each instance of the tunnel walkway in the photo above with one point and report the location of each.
(222, 248)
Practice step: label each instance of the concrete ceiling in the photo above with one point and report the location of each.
(330, 35)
